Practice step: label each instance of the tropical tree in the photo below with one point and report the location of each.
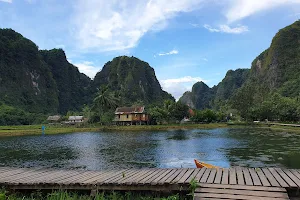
(104, 101)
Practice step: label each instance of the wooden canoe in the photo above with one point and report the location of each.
(202, 164)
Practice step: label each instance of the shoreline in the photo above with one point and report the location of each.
(27, 130)
(23, 130)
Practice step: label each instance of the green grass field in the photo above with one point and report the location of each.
(56, 129)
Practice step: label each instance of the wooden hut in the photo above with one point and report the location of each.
(135, 115)
(54, 119)
(75, 119)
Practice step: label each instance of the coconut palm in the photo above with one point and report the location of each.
(104, 100)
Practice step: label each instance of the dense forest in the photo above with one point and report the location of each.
(268, 90)
(35, 83)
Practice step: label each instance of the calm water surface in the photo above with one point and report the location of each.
(177, 148)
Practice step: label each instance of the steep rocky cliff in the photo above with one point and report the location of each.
(25, 78)
(133, 80)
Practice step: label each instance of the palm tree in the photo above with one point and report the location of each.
(104, 100)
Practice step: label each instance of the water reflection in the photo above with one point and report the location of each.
(176, 148)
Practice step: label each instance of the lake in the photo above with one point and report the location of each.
(224, 147)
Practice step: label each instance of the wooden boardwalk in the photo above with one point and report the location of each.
(214, 183)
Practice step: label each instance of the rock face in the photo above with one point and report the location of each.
(199, 97)
(277, 69)
(233, 80)
(74, 88)
(39, 81)
(202, 96)
(25, 79)
(133, 80)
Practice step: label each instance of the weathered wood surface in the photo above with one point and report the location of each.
(220, 191)
(149, 178)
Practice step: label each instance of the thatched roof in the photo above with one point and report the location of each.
(75, 118)
(54, 118)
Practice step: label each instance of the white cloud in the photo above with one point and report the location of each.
(169, 53)
(195, 25)
(60, 46)
(205, 59)
(208, 27)
(178, 86)
(240, 9)
(227, 29)
(87, 68)
(6, 1)
(113, 25)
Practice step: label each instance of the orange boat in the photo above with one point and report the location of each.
(202, 164)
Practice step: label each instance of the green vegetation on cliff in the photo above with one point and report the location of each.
(73, 87)
(269, 90)
(202, 96)
(132, 80)
(26, 82)
(35, 83)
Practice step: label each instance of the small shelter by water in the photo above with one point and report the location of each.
(75, 119)
(54, 119)
(134, 115)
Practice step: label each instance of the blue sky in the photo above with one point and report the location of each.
(185, 41)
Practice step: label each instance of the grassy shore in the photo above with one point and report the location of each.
(63, 195)
(56, 129)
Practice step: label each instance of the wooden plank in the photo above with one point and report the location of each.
(152, 176)
(44, 177)
(200, 174)
(30, 175)
(155, 181)
(294, 178)
(225, 176)
(11, 173)
(161, 173)
(254, 176)
(232, 196)
(192, 176)
(63, 175)
(232, 176)
(278, 178)
(173, 176)
(285, 178)
(130, 179)
(143, 180)
(242, 187)
(163, 180)
(270, 177)
(67, 177)
(211, 177)
(143, 177)
(244, 192)
(262, 177)
(186, 176)
(15, 177)
(112, 176)
(120, 176)
(77, 178)
(205, 175)
(98, 177)
(178, 177)
(247, 176)
(296, 173)
(240, 176)
(218, 175)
